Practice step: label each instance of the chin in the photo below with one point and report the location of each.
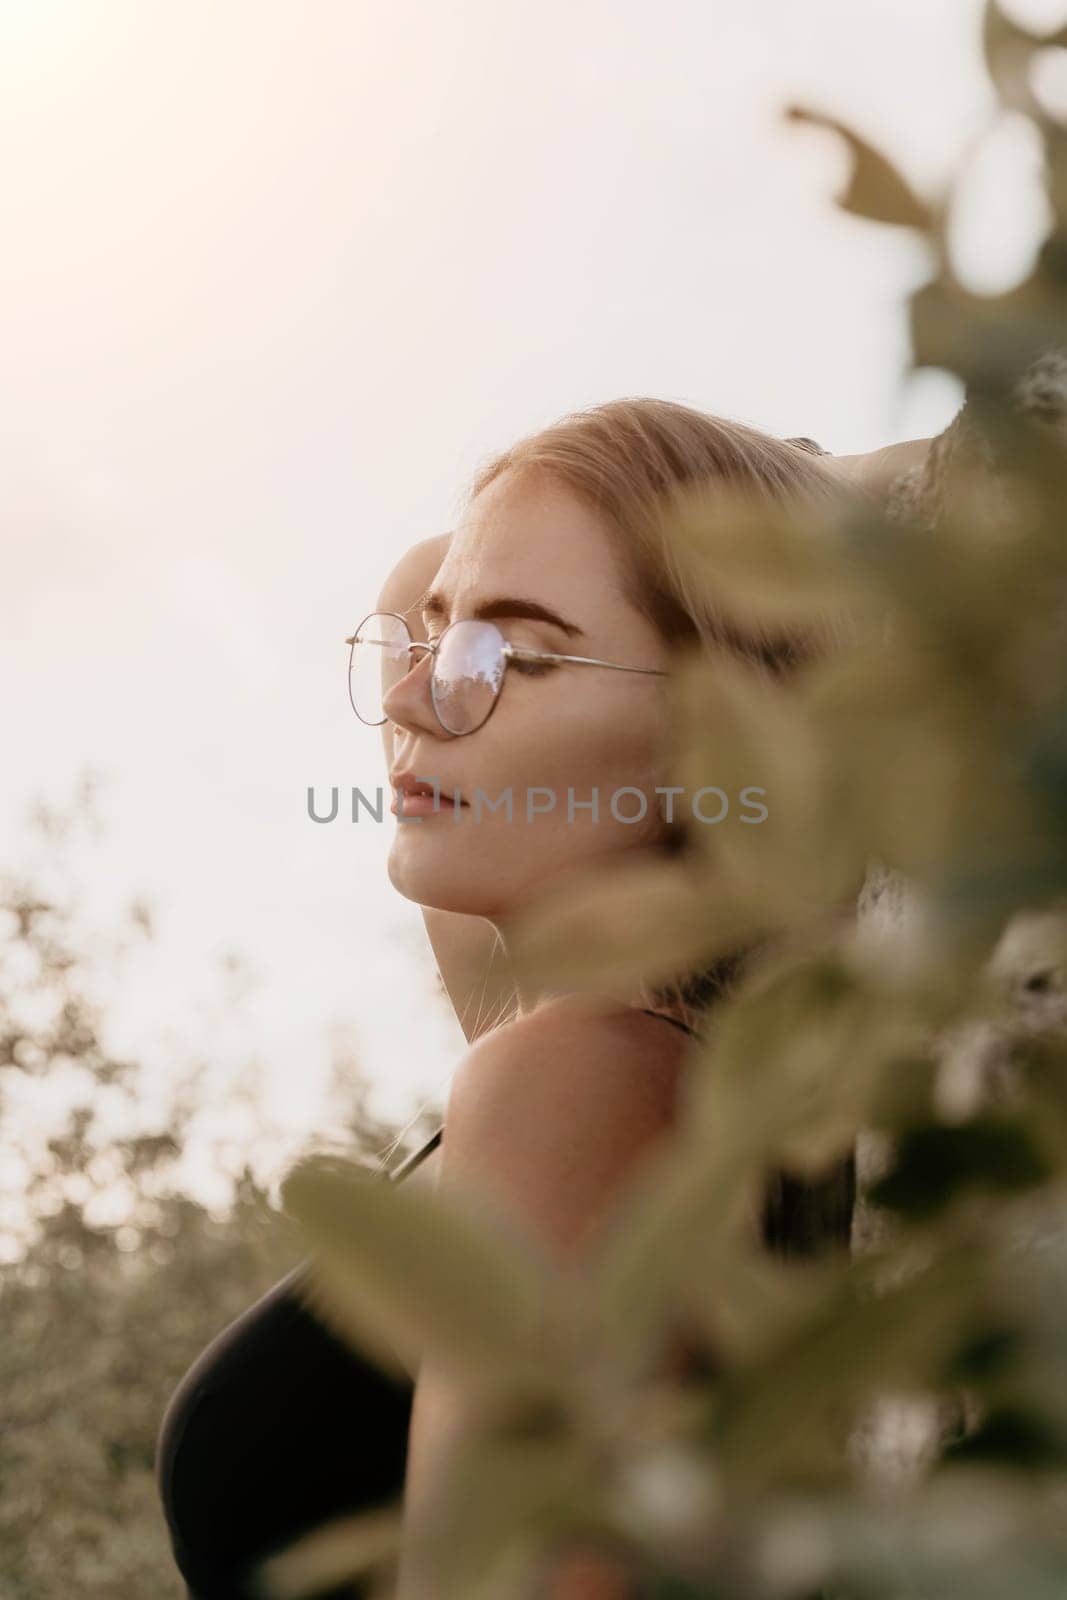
(441, 880)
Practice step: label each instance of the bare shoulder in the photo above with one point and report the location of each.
(413, 572)
(550, 1114)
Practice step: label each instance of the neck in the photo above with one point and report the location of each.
(532, 990)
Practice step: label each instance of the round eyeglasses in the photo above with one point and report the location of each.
(470, 659)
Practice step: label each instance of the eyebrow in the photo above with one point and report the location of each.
(433, 604)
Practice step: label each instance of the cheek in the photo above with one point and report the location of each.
(587, 743)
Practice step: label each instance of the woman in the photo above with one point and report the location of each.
(278, 1426)
(466, 948)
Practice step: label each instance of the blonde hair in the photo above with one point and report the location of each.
(627, 459)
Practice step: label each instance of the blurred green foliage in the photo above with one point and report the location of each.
(113, 1278)
(888, 1421)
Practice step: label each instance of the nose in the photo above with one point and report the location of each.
(409, 703)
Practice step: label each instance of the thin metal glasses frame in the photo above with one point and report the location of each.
(509, 652)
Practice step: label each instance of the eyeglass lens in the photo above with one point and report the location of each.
(467, 672)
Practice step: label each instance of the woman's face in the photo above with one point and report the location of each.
(567, 728)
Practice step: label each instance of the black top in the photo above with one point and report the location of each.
(257, 1444)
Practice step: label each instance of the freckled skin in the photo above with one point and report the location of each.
(573, 726)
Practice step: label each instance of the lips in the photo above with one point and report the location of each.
(410, 785)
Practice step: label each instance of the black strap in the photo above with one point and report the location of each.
(419, 1156)
(678, 1023)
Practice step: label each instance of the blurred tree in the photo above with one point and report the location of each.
(114, 1279)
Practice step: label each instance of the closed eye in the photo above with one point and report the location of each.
(533, 668)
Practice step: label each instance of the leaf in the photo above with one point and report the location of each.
(621, 922)
(754, 740)
(861, 1338)
(402, 1270)
(968, 1534)
(1043, 1064)
(344, 1549)
(917, 761)
(989, 341)
(789, 1078)
(677, 1220)
(529, 1493)
(753, 1305)
(764, 564)
(805, 1049)
(876, 189)
(1009, 50)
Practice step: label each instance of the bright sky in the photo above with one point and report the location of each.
(275, 280)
